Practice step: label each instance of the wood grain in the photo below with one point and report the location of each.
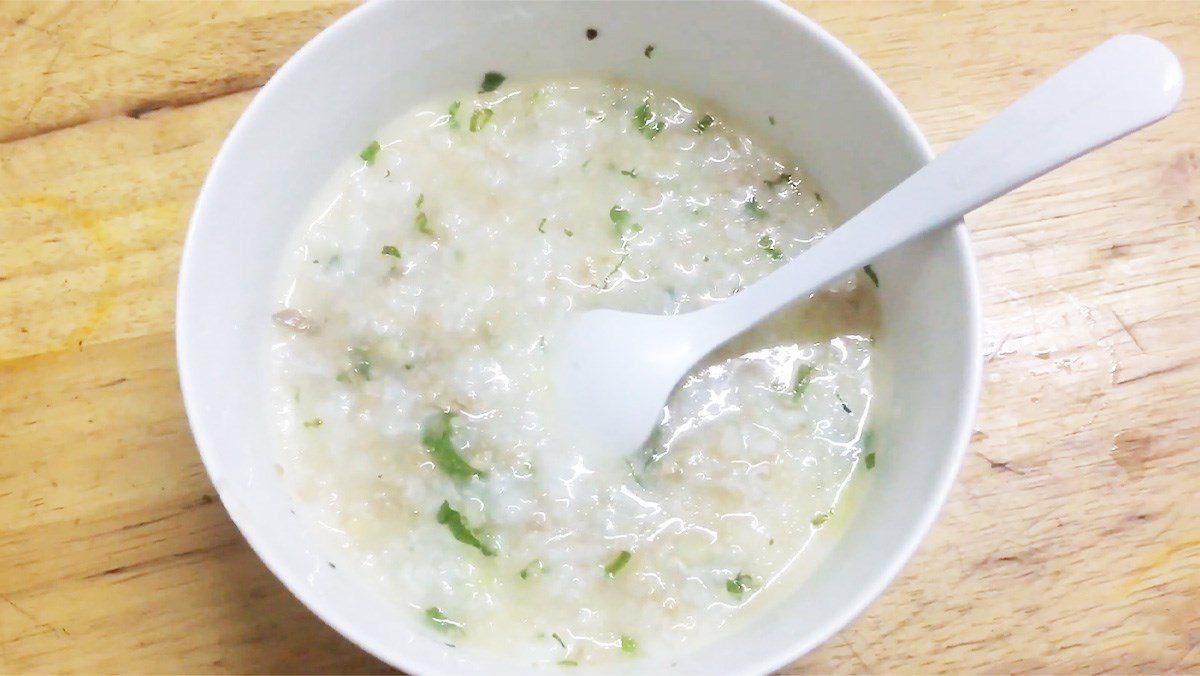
(1072, 539)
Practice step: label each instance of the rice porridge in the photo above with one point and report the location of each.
(410, 372)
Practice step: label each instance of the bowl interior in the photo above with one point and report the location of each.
(753, 60)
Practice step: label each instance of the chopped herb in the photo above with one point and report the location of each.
(568, 232)
(820, 518)
(420, 200)
(568, 663)
(390, 250)
(648, 123)
(315, 422)
(845, 407)
(740, 584)
(628, 645)
(343, 377)
(491, 81)
(438, 619)
(450, 518)
(869, 460)
(438, 438)
(480, 118)
(591, 33)
(542, 226)
(558, 638)
(803, 377)
(368, 154)
(703, 123)
(617, 564)
(817, 197)
(768, 246)
(534, 568)
(771, 119)
(783, 178)
(871, 273)
(453, 113)
(622, 221)
(755, 209)
(360, 362)
(648, 50)
(422, 222)
(631, 173)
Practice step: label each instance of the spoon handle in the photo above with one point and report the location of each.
(1119, 87)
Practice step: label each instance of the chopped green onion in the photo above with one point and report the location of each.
(783, 178)
(845, 406)
(368, 154)
(868, 445)
(558, 638)
(453, 113)
(315, 422)
(439, 431)
(438, 619)
(628, 645)
(622, 221)
(422, 219)
(768, 246)
(390, 250)
(631, 173)
(803, 377)
(740, 584)
(534, 568)
(450, 518)
(820, 518)
(480, 118)
(871, 273)
(755, 209)
(491, 81)
(703, 123)
(771, 119)
(648, 50)
(617, 564)
(568, 663)
(542, 226)
(648, 123)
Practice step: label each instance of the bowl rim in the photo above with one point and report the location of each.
(786, 653)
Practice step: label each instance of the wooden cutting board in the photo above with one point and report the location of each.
(1072, 539)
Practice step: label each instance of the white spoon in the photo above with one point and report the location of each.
(615, 370)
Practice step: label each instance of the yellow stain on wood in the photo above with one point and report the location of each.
(1178, 560)
(99, 224)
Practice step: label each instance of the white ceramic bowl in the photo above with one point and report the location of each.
(754, 60)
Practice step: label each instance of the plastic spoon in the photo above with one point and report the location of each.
(614, 370)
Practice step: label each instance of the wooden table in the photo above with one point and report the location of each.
(1072, 540)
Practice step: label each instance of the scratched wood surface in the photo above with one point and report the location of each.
(1072, 539)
